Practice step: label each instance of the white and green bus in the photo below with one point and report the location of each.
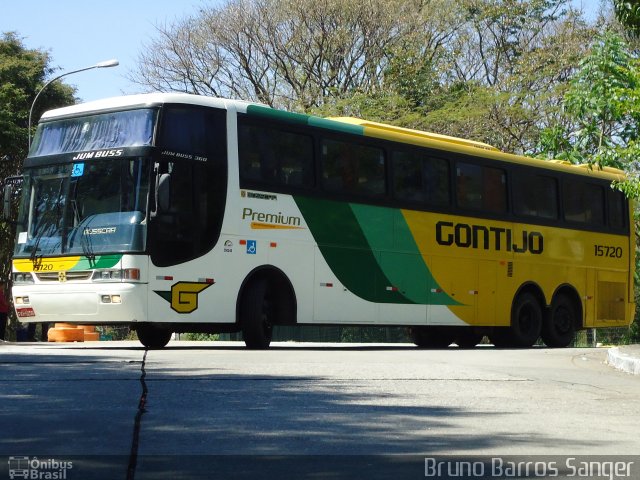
(180, 213)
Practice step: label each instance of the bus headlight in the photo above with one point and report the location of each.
(22, 278)
(116, 275)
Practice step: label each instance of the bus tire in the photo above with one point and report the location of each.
(526, 320)
(431, 337)
(256, 313)
(468, 337)
(153, 336)
(559, 327)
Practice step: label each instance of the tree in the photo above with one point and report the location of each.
(499, 77)
(601, 109)
(601, 119)
(628, 13)
(22, 74)
(489, 70)
(294, 54)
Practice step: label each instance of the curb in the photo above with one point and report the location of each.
(623, 361)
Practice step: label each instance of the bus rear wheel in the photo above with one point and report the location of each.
(559, 327)
(256, 315)
(431, 337)
(526, 320)
(153, 336)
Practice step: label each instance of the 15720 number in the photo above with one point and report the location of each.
(607, 251)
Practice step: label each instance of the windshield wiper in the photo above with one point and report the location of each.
(34, 252)
(42, 226)
(87, 248)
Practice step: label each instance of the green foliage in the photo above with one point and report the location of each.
(601, 121)
(202, 337)
(488, 70)
(628, 13)
(114, 332)
(374, 335)
(601, 111)
(22, 74)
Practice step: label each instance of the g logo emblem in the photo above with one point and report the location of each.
(184, 296)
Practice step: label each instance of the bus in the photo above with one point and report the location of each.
(182, 213)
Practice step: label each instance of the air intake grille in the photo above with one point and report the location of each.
(68, 276)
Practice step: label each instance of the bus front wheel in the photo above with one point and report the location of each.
(560, 325)
(256, 315)
(153, 336)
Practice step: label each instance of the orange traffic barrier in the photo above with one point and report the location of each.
(65, 335)
(91, 336)
(65, 325)
(69, 332)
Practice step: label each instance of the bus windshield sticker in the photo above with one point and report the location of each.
(77, 170)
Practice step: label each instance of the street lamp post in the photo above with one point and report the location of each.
(105, 64)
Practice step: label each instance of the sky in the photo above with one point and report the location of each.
(81, 33)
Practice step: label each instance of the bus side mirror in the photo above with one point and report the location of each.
(163, 193)
(6, 210)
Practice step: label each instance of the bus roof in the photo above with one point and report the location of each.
(417, 133)
(143, 100)
(470, 147)
(351, 124)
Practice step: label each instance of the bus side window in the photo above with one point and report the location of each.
(408, 177)
(275, 157)
(435, 172)
(353, 168)
(583, 202)
(420, 178)
(535, 195)
(249, 155)
(616, 203)
(481, 188)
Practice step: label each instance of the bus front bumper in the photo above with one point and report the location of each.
(93, 303)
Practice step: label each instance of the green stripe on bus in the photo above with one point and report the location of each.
(281, 115)
(337, 126)
(101, 261)
(398, 255)
(345, 249)
(301, 119)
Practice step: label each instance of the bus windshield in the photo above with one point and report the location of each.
(130, 128)
(84, 208)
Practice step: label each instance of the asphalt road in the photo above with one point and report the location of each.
(217, 407)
